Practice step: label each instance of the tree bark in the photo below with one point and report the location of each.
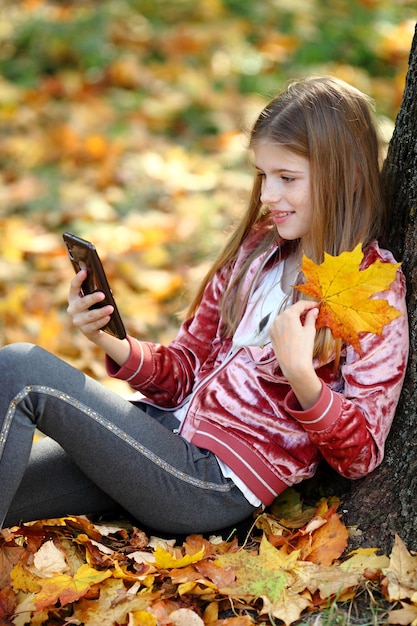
(385, 502)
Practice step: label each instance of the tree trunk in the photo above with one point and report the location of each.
(385, 502)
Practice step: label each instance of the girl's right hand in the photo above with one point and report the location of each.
(88, 321)
(91, 321)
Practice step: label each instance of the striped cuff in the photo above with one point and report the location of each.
(321, 415)
(136, 362)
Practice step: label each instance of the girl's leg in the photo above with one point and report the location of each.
(53, 486)
(162, 480)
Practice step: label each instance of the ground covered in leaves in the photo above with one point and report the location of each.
(124, 121)
(76, 571)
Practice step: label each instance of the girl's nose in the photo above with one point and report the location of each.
(269, 192)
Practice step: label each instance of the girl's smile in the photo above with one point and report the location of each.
(279, 217)
(285, 188)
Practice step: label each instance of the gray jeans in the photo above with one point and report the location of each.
(100, 452)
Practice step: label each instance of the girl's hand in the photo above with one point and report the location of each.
(90, 322)
(292, 335)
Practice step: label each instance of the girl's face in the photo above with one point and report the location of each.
(285, 188)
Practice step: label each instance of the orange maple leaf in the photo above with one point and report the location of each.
(324, 544)
(345, 294)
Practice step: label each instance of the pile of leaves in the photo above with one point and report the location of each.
(73, 570)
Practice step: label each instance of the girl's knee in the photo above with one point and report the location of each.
(27, 363)
(14, 350)
(15, 354)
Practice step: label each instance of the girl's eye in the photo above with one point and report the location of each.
(287, 179)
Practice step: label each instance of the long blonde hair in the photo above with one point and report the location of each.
(330, 123)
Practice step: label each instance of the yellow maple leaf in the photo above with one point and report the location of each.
(66, 588)
(165, 560)
(24, 580)
(365, 559)
(344, 292)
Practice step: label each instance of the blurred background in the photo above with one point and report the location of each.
(125, 122)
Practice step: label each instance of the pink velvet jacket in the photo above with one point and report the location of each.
(243, 410)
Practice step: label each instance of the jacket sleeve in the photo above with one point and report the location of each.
(166, 374)
(350, 425)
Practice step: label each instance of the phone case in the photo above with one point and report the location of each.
(83, 255)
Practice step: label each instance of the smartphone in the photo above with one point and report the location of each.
(83, 255)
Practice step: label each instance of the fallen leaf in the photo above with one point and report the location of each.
(23, 579)
(332, 582)
(403, 617)
(162, 609)
(7, 602)
(49, 560)
(289, 607)
(9, 556)
(401, 575)
(257, 574)
(365, 559)
(220, 576)
(344, 292)
(113, 605)
(290, 510)
(66, 588)
(269, 576)
(25, 608)
(141, 618)
(325, 543)
(165, 560)
(185, 617)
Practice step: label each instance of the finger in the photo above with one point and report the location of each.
(311, 317)
(305, 305)
(92, 320)
(95, 324)
(76, 283)
(88, 306)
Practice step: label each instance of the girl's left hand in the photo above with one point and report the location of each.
(292, 335)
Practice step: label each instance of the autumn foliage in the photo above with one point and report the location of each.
(74, 570)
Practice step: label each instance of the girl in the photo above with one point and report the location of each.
(249, 397)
